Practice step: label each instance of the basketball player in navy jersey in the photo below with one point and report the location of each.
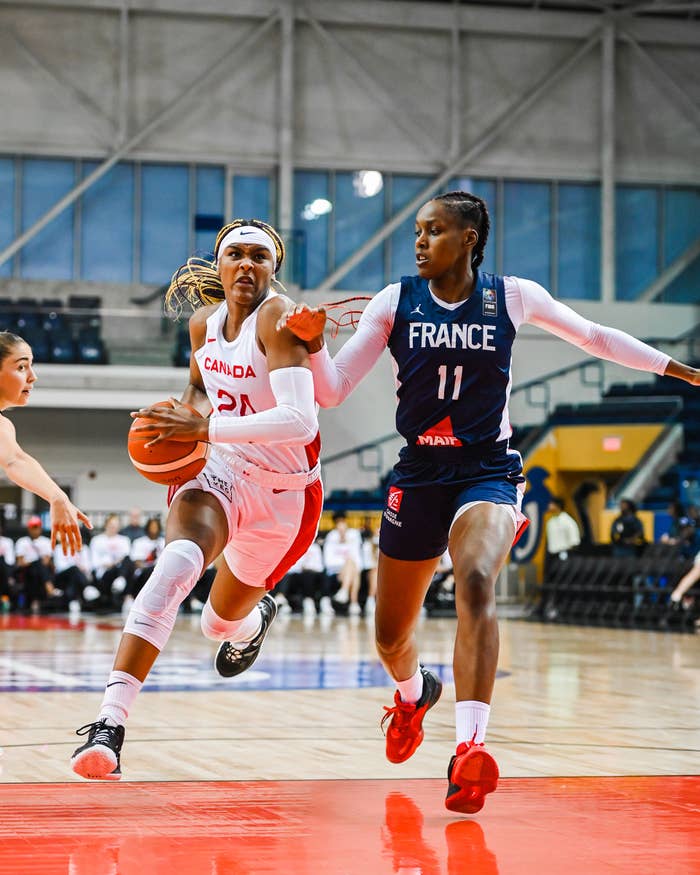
(257, 502)
(457, 484)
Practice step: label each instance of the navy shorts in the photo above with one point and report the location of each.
(423, 498)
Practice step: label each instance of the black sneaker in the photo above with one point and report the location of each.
(232, 660)
(98, 758)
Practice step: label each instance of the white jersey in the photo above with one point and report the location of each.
(237, 383)
(32, 549)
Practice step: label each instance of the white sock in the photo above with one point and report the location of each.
(411, 689)
(120, 692)
(237, 631)
(471, 720)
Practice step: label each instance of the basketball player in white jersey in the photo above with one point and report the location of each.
(259, 498)
(450, 331)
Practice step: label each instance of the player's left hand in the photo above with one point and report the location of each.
(178, 422)
(304, 321)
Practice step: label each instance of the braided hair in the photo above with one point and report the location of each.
(197, 283)
(470, 210)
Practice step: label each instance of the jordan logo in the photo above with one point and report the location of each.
(439, 435)
(418, 311)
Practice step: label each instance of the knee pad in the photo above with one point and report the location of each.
(153, 614)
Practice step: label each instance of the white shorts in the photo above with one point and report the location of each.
(268, 529)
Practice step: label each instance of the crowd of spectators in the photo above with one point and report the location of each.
(337, 574)
(104, 577)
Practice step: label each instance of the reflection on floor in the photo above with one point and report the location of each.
(284, 770)
(548, 826)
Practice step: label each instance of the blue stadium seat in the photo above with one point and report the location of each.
(90, 348)
(7, 314)
(62, 347)
(182, 351)
(27, 315)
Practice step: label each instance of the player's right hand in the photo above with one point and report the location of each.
(307, 323)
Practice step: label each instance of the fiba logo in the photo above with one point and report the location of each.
(393, 501)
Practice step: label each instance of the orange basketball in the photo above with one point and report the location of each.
(169, 462)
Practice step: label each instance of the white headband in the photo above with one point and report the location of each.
(248, 234)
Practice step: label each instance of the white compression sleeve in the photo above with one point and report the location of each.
(335, 378)
(537, 307)
(292, 421)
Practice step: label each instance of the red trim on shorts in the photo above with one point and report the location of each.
(313, 505)
(313, 450)
(521, 531)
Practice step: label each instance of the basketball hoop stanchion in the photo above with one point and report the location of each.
(348, 318)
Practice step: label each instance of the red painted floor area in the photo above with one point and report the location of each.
(547, 826)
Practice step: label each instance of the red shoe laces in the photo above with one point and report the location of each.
(401, 713)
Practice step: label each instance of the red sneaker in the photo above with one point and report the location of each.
(405, 730)
(472, 773)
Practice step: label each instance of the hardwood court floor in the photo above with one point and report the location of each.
(284, 769)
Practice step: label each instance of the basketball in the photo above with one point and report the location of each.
(169, 462)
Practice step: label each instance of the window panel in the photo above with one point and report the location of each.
(578, 235)
(486, 190)
(312, 216)
(107, 233)
(49, 254)
(165, 221)
(526, 231)
(209, 207)
(251, 198)
(681, 230)
(402, 241)
(636, 240)
(356, 218)
(7, 210)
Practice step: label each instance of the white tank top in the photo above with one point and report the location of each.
(237, 383)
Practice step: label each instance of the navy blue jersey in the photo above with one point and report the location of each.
(453, 366)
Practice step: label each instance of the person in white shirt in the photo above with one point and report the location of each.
(342, 556)
(7, 570)
(370, 554)
(72, 575)
(112, 567)
(144, 554)
(305, 578)
(34, 553)
(562, 536)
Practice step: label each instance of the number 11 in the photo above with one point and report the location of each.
(442, 373)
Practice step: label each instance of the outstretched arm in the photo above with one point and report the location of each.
(25, 471)
(530, 302)
(335, 378)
